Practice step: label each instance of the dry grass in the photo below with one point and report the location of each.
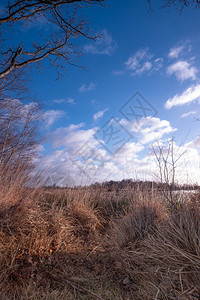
(97, 244)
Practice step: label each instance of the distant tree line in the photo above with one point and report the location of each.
(143, 185)
(129, 183)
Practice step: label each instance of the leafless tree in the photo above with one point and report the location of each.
(18, 137)
(167, 161)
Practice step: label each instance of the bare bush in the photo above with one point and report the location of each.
(18, 138)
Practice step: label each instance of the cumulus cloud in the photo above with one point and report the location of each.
(77, 157)
(64, 170)
(73, 136)
(75, 152)
(99, 114)
(190, 95)
(102, 45)
(148, 129)
(127, 154)
(151, 129)
(142, 62)
(183, 70)
(86, 88)
(195, 144)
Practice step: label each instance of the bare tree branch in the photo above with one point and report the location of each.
(63, 15)
(179, 4)
(167, 165)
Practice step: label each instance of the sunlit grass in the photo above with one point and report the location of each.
(91, 243)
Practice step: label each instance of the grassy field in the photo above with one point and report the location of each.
(96, 243)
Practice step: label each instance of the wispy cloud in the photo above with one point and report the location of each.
(99, 114)
(157, 64)
(190, 113)
(84, 88)
(63, 100)
(103, 45)
(180, 49)
(58, 101)
(183, 70)
(71, 101)
(190, 95)
(51, 116)
(118, 72)
(174, 52)
(142, 62)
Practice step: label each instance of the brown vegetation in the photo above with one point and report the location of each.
(91, 243)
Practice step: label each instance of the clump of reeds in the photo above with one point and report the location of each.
(90, 243)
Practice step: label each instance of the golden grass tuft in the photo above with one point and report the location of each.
(91, 243)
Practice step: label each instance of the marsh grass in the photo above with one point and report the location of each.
(92, 243)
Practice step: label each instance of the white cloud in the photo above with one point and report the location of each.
(58, 101)
(99, 114)
(142, 62)
(71, 101)
(127, 153)
(182, 70)
(158, 64)
(73, 136)
(118, 72)
(190, 95)
(50, 116)
(195, 144)
(84, 88)
(190, 113)
(174, 52)
(151, 129)
(127, 164)
(136, 62)
(148, 129)
(146, 67)
(74, 127)
(102, 45)
(70, 163)
(62, 100)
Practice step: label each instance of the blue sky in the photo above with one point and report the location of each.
(156, 55)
